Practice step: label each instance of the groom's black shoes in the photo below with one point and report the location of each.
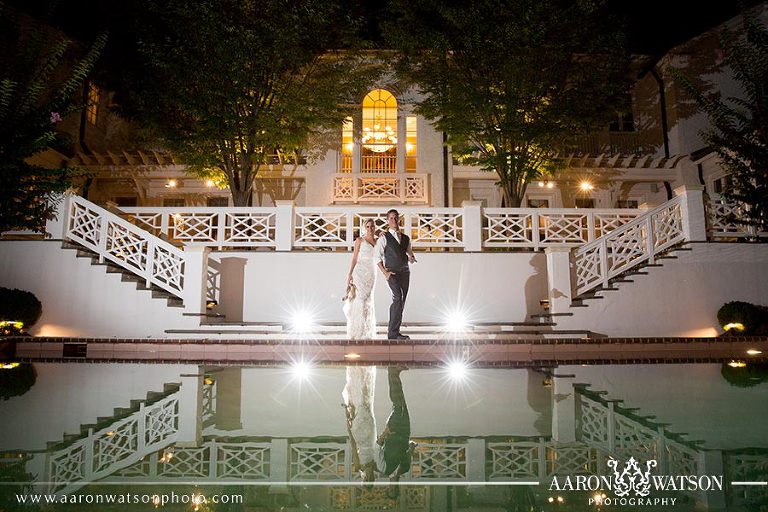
(401, 337)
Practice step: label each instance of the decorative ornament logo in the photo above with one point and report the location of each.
(631, 478)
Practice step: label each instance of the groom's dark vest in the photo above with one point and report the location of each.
(396, 254)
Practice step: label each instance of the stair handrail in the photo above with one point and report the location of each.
(114, 447)
(594, 265)
(125, 244)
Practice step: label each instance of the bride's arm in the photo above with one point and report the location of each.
(354, 260)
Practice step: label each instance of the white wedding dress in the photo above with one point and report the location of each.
(361, 380)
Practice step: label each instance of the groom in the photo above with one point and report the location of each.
(393, 252)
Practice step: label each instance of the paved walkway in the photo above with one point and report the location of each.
(490, 353)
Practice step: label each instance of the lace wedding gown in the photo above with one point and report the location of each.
(361, 380)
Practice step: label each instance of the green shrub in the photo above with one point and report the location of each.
(16, 381)
(19, 306)
(750, 375)
(753, 318)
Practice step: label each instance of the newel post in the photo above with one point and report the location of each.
(195, 278)
(284, 225)
(559, 283)
(472, 226)
(694, 212)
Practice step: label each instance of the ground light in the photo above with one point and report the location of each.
(457, 370)
(302, 321)
(301, 370)
(737, 326)
(457, 322)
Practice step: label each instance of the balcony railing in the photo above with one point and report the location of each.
(403, 188)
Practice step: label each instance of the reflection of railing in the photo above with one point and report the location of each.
(541, 459)
(119, 445)
(540, 227)
(403, 188)
(125, 244)
(638, 241)
(749, 465)
(724, 222)
(616, 431)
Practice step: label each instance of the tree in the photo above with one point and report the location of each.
(230, 86)
(739, 125)
(38, 81)
(510, 80)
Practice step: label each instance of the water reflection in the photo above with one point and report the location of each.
(499, 439)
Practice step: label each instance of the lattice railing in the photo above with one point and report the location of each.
(415, 498)
(603, 425)
(214, 227)
(316, 461)
(381, 187)
(544, 227)
(125, 244)
(749, 466)
(440, 461)
(724, 221)
(122, 444)
(636, 242)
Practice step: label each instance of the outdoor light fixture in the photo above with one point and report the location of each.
(585, 186)
(737, 364)
(754, 352)
(302, 321)
(209, 183)
(171, 184)
(734, 325)
(9, 366)
(352, 355)
(546, 184)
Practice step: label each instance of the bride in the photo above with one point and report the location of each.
(361, 325)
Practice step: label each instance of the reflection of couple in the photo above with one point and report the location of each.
(388, 454)
(391, 253)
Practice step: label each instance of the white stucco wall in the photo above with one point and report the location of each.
(80, 299)
(488, 287)
(680, 298)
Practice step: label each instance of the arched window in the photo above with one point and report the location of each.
(379, 132)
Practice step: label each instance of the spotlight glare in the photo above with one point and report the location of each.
(301, 370)
(586, 186)
(302, 321)
(754, 352)
(457, 370)
(456, 322)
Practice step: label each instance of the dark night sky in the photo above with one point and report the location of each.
(653, 26)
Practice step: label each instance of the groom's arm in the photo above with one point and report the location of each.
(381, 244)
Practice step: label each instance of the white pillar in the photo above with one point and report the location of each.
(190, 433)
(694, 214)
(476, 460)
(559, 285)
(472, 226)
(400, 162)
(284, 225)
(195, 278)
(278, 462)
(711, 463)
(563, 410)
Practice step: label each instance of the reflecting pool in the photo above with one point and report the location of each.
(226, 438)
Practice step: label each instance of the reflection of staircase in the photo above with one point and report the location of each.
(114, 442)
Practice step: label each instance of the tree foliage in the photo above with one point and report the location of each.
(38, 81)
(233, 85)
(739, 125)
(510, 80)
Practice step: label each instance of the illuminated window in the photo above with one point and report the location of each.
(379, 133)
(410, 144)
(94, 95)
(347, 145)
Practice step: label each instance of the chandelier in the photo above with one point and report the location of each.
(378, 140)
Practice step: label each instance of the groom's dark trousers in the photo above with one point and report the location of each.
(398, 283)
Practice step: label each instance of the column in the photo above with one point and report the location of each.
(560, 291)
(195, 278)
(476, 460)
(472, 226)
(284, 225)
(694, 214)
(190, 433)
(563, 410)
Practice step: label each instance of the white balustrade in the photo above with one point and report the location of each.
(381, 187)
(636, 242)
(724, 221)
(129, 246)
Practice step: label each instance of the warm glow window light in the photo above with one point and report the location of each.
(379, 132)
(347, 145)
